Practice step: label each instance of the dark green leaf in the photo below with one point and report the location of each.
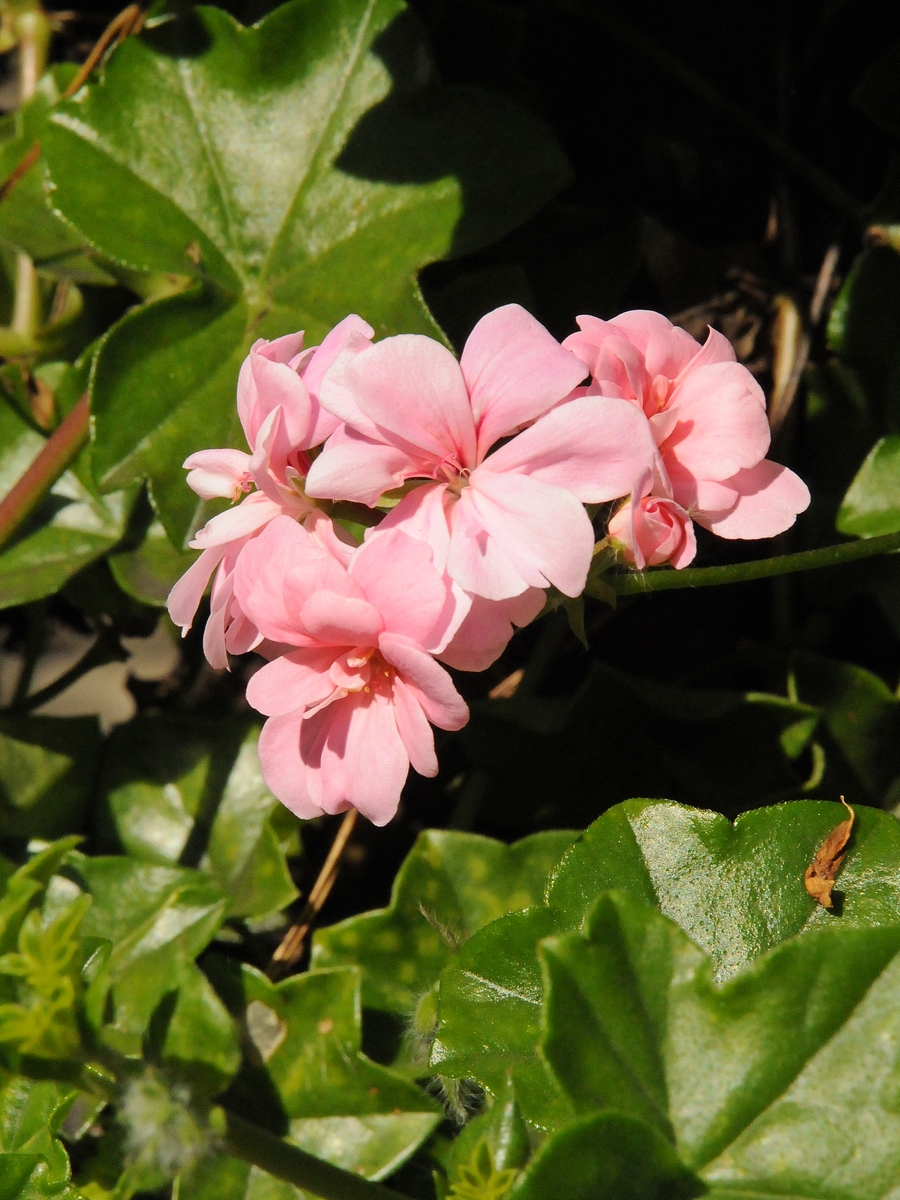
(305, 1076)
(47, 771)
(864, 329)
(860, 728)
(450, 885)
(71, 528)
(501, 1128)
(26, 220)
(490, 1015)
(158, 919)
(737, 890)
(31, 1155)
(621, 736)
(606, 1157)
(872, 504)
(149, 570)
(191, 791)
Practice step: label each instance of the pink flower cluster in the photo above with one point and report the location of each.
(478, 472)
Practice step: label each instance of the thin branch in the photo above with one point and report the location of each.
(18, 172)
(291, 946)
(60, 450)
(636, 583)
(276, 1157)
(128, 21)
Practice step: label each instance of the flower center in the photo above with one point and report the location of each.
(453, 474)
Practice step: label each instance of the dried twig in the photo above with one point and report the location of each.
(291, 945)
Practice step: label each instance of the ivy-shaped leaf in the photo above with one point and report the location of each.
(450, 886)
(288, 173)
(305, 1077)
(189, 791)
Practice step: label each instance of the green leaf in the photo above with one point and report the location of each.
(26, 220)
(47, 771)
(72, 527)
(769, 1083)
(188, 158)
(501, 1130)
(864, 327)
(621, 736)
(31, 1154)
(304, 1075)
(606, 1156)
(860, 727)
(489, 1008)
(872, 503)
(189, 791)
(450, 885)
(736, 890)
(149, 570)
(157, 920)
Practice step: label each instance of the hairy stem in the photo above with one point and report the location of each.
(61, 449)
(636, 583)
(279, 1158)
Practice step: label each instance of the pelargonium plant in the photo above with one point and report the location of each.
(487, 465)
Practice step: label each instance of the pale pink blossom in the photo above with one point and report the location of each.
(349, 703)
(279, 410)
(708, 418)
(499, 523)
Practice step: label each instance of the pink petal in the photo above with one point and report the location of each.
(260, 578)
(242, 635)
(721, 424)
(397, 575)
(217, 473)
(354, 756)
(477, 561)
(616, 366)
(348, 337)
(253, 408)
(596, 447)
(354, 467)
(334, 392)
(282, 767)
(291, 683)
(414, 730)
(769, 499)
(541, 530)
(485, 633)
(665, 348)
(412, 388)
(423, 514)
(700, 495)
(330, 537)
(337, 620)
(430, 684)
(253, 512)
(654, 531)
(279, 386)
(515, 371)
(185, 596)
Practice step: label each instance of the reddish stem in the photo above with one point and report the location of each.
(62, 447)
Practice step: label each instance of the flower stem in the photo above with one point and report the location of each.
(636, 583)
(61, 449)
(279, 1158)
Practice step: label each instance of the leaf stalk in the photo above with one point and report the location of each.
(272, 1154)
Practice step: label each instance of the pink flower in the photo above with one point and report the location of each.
(277, 400)
(499, 523)
(349, 707)
(708, 417)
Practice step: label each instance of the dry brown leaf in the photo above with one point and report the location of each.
(822, 871)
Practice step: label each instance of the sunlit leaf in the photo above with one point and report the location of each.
(450, 885)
